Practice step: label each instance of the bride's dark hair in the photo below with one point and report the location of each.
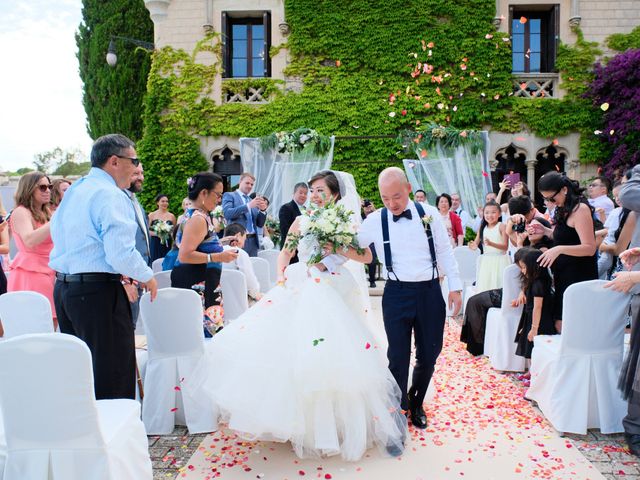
(330, 179)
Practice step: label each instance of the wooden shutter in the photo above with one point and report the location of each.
(226, 46)
(266, 22)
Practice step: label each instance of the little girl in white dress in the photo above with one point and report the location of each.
(495, 244)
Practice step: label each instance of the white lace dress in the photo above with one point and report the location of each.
(301, 366)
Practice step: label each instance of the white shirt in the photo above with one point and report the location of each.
(603, 202)
(410, 247)
(243, 263)
(612, 224)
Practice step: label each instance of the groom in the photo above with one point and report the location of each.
(407, 241)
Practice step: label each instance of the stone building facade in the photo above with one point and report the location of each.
(181, 23)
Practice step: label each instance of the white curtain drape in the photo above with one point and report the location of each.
(447, 170)
(277, 173)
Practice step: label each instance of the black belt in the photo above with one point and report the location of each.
(88, 277)
(249, 235)
(422, 283)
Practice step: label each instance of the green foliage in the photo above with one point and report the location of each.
(19, 172)
(113, 96)
(621, 42)
(367, 68)
(469, 235)
(72, 168)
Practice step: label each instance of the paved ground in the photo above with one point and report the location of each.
(607, 453)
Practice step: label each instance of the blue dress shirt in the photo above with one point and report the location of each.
(94, 230)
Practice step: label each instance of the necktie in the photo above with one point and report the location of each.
(406, 214)
(250, 219)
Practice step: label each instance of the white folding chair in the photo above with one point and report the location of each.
(574, 376)
(53, 425)
(261, 269)
(234, 294)
(502, 325)
(156, 265)
(271, 256)
(163, 279)
(25, 312)
(176, 346)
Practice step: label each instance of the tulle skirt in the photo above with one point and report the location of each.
(301, 366)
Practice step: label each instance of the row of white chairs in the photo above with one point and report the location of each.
(574, 375)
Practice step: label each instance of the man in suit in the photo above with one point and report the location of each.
(250, 213)
(142, 239)
(289, 211)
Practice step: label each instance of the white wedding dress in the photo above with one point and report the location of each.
(301, 366)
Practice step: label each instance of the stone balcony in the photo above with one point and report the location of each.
(536, 85)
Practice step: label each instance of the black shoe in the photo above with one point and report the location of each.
(418, 417)
(395, 450)
(633, 442)
(372, 285)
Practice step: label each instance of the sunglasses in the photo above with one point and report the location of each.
(134, 161)
(552, 198)
(45, 188)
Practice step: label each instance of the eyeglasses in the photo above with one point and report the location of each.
(134, 161)
(552, 198)
(218, 195)
(595, 185)
(45, 188)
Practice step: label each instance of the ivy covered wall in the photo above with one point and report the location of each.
(368, 67)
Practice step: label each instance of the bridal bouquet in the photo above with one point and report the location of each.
(319, 226)
(163, 230)
(218, 214)
(273, 226)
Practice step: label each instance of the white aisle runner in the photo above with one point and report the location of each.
(480, 427)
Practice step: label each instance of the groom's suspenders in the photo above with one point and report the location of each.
(388, 262)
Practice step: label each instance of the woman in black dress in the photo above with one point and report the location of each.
(160, 245)
(573, 256)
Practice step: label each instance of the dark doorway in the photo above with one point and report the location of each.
(509, 161)
(227, 164)
(548, 160)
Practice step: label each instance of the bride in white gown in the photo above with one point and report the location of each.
(301, 366)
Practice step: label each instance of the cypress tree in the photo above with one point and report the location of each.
(113, 96)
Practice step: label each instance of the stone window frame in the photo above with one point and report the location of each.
(229, 18)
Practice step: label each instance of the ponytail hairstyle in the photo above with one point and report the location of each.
(202, 181)
(554, 182)
(483, 223)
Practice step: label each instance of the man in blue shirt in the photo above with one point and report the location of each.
(93, 233)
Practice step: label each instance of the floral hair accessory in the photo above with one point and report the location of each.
(191, 182)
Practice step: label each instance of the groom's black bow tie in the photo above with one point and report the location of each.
(406, 214)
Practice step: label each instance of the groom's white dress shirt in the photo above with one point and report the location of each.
(410, 248)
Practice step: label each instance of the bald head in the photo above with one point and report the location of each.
(392, 174)
(394, 189)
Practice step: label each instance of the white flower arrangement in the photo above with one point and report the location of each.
(163, 230)
(426, 220)
(218, 214)
(319, 226)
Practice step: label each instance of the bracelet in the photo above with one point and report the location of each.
(209, 258)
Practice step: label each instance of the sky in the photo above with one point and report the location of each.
(40, 87)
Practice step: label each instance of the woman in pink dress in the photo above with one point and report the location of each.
(29, 223)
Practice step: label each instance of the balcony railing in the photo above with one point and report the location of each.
(535, 85)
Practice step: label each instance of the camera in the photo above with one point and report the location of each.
(519, 227)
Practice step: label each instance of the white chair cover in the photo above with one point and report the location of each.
(467, 266)
(175, 342)
(574, 376)
(262, 270)
(54, 427)
(156, 265)
(234, 294)
(271, 256)
(25, 312)
(163, 279)
(502, 325)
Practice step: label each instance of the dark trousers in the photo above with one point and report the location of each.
(418, 308)
(475, 319)
(371, 267)
(186, 275)
(251, 245)
(100, 314)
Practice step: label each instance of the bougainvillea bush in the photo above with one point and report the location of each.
(616, 90)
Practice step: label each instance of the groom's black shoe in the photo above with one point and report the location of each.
(418, 417)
